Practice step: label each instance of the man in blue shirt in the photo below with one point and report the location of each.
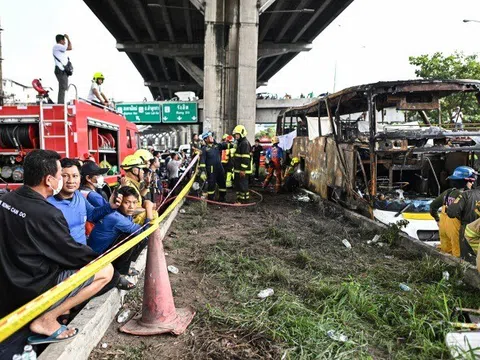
(116, 226)
(75, 208)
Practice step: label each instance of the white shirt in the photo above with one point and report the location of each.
(60, 52)
(172, 167)
(457, 117)
(91, 95)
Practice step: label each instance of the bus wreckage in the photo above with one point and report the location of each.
(383, 149)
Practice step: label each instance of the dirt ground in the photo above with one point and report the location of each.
(227, 255)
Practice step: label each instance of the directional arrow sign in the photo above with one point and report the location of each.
(140, 113)
(179, 112)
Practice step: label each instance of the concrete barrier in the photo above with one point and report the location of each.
(96, 317)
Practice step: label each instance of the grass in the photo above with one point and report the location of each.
(380, 320)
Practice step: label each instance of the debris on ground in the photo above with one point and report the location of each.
(332, 334)
(265, 293)
(375, 240)
(182, 211)
(193, 232)
(123, 316)
(104, 345)
(405, 287)
(172, 269)
(302, 198)
(347, 243)
(446, 275)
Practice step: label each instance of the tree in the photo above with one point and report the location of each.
(451, 67)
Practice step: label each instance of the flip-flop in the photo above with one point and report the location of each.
(124, 284)
(43, 339)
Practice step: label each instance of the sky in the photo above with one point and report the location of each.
(370, 41)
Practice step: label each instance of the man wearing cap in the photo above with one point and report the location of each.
(92, 183)
(211, 167)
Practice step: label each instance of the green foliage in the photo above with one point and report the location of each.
(456, 66)
(270, 131)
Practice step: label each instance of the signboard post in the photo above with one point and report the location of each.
(179, 112)
(141, 113)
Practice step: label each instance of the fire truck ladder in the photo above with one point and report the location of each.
(49, 122)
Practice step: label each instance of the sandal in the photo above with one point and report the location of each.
(43, 339)
(124, 284)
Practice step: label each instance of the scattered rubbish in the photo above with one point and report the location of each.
(173, 234)
(401, 340)
(381, 244)
(446, 275)
(332, 334)
(182, 211)
(265, 293)
(104, 345)
(192, 333)
(172, 269)
(303, 198)
(193, 232)
(375, 240)
(390, 257)
(405, 287)
(166, 254)
(123, 316)
(347, 243)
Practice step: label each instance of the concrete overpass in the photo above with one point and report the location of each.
(222, 49)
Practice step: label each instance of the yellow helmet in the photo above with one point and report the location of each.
(144, 154)
(240, 129)
(132, 161)
(275, 140)
(295, 161)
(98, 75)
(224, 136)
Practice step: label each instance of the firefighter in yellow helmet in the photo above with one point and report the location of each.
(274, 157)
(145, 155)
(96, 94)
(227, 163)
(290, 182)
(242, 163)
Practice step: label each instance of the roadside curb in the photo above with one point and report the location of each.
(96, 317)
(411, 245)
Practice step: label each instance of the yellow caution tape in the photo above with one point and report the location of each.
(417, 216)
(22, 316)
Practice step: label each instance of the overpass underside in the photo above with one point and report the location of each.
(223, 49)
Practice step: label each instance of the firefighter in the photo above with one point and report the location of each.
(242, 164)
(466, 208)
(290, 183)
(145, 155)
(449, 228)
(274, 157)
(96, 94)
(211, 167)
(227, 162)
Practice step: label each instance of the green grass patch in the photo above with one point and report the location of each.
(380, 320)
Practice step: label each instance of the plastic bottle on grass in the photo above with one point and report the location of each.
(347, 243)
(405, 287)
(332, 334)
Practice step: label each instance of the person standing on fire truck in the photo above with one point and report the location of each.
(242, 164)
(274, 157)
(96, 94)
(61, 59)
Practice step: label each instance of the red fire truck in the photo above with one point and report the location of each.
(74, 130)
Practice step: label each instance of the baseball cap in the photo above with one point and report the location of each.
(90, 168)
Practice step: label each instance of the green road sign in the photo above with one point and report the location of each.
(140, 113)
(179, 112)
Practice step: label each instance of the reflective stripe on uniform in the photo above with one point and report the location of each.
(244, 166)
(242, 155)
(222, 190)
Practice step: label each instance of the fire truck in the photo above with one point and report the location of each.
(78, 129)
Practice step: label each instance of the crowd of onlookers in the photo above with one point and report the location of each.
(62, 218)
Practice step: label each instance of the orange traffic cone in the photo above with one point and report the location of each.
(158, 312)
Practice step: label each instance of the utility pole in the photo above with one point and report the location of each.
(1, 73)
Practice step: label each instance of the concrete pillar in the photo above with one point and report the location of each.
(247, 66)
(230, 69)
(213, 65)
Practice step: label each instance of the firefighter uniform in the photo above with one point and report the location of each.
(472, 235)
(274, 156)
(212, 169)
(448, 228)
(466, 208)
(289, 181)
(227, 162)
(242, 164)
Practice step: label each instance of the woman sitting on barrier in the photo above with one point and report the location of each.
(113, 229)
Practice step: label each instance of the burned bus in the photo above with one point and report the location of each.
(385, 149)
